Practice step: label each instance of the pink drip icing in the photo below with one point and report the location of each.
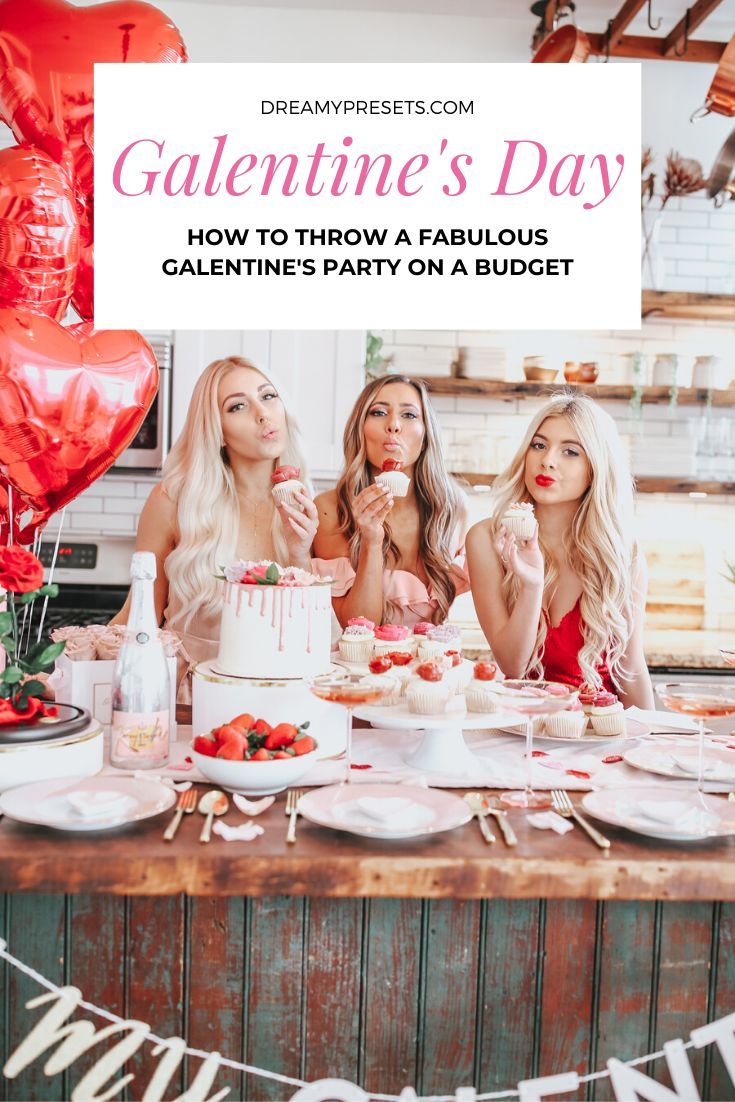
(282, 624)
(263, 596)
(239, 600)
(308, 629)
(251, 598)
(303, 598)
(290, 603)
(276, 593)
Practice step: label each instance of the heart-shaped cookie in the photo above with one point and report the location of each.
(71, 400)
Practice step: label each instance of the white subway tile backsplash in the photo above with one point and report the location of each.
(116, 486)
(129, 505)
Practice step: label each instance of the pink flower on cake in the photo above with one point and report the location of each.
(293, 575)
(391, 632)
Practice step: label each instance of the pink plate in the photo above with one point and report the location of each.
(384, 810)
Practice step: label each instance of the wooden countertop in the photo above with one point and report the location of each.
(455, 865)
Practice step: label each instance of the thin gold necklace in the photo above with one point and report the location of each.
(256, 508)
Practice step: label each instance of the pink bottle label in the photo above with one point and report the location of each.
(139, 738)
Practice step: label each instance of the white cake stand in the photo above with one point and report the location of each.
(443, 748)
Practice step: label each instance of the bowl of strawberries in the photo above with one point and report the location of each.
(255, 757)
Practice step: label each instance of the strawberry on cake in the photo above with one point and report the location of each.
(392, 477)
(285, 484)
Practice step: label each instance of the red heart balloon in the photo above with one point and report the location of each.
(47, 52)
(71, 400)
(39, 233)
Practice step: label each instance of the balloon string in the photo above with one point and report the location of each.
(27, 609)
(10, 514)
(51, 573)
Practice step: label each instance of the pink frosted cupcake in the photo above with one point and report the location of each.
(390, 637)
(356, 644)
(607, 715)
(360, 621)
(285, 484)
(438, 640)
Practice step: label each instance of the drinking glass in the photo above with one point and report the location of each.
(347, 689)
(704, 700)
(533, 698)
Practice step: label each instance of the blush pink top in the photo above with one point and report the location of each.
(407, 599)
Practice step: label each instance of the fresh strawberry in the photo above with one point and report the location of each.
(244, 722)
(381, 664)
(227, 731)
(205, 745)
(430, 671)
(280, 754)
(260, 755)
(261, 727)
(485, 671)
(304, 745)
(233, 749)
(399, 657)
(391, 465)
(455, 656)
(283, 735)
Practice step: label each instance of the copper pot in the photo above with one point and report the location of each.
(567, 44)
(721, 94)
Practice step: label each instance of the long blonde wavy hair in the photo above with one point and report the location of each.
(599, 544)
(440, 502)
(197, 477)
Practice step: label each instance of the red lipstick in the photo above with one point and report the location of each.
(544, 480)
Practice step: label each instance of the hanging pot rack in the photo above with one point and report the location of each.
(677, 45)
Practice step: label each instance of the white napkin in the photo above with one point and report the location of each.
(549, 820)
(384, 808)
(100, 804)
(246, 832)
(680, 817)
(663, 721)
(393, 812)
(712, 770)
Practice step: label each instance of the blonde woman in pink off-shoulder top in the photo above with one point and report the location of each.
(395, 558)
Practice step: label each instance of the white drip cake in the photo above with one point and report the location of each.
(276, 623)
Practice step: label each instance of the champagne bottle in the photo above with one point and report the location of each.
(139, 736)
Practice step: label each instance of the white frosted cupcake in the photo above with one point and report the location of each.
(607, 715)
(285, 484)
(520, 520)
(392, 477)
(566, 724)
(427, 693)
(356, 644)
(481, 694)
(438, 640)
(460, 671)
(390, 637)
(419, 633)
(402, 667)
(382, 679)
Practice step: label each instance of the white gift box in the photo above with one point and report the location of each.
(89, 685)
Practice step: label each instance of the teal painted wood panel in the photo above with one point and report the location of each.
(215, 984)
(720, 1084)
(4, 973)
(567, 995)
(624, 985)
(154, 976)
(508, 977)
(275, 963)
(683, 977)
(333, 989)
(36, 925)
(391, 1011)
(95, 937)
(449, 996)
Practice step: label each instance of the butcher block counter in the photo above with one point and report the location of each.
(435, 962)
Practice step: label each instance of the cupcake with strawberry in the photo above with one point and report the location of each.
(481, 693)
(460, 672)
(438, 640)
(428, 693)
(402, 667)
(358, 640)
(286, 484)
(389, 637)
(392, 477)
(607, 714)
(382, 673)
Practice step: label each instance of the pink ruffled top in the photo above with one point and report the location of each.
(408, 600)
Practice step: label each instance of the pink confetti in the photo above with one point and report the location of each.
(355, 765)
(184, 768)
(611, 759)
(539, 754)
(580, 773)
(551, 764)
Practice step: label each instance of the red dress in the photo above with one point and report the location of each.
(561, 651)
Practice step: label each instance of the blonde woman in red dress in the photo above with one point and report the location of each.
(567, 604)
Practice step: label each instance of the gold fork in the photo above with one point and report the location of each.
(493, 808)
(185, 806)
(564, 806)
(476, 803)
(292, 809)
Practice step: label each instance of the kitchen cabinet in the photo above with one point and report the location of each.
(321, 371)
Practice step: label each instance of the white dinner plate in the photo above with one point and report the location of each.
(671, 815)
(58, 804)
(680, 761)
(384, 810)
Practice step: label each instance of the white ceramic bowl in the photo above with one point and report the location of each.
(254, 778)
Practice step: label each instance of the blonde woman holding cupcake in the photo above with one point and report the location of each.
(215, 502)
(393, 544)
(564, 598)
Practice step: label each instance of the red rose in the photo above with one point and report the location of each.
(36, 706)
(20, 571)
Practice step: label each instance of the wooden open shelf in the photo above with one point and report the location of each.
(645, 484)
(688, 304)
(508, 392)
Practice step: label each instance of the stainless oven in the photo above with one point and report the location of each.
(151, 444)
(93, 574)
